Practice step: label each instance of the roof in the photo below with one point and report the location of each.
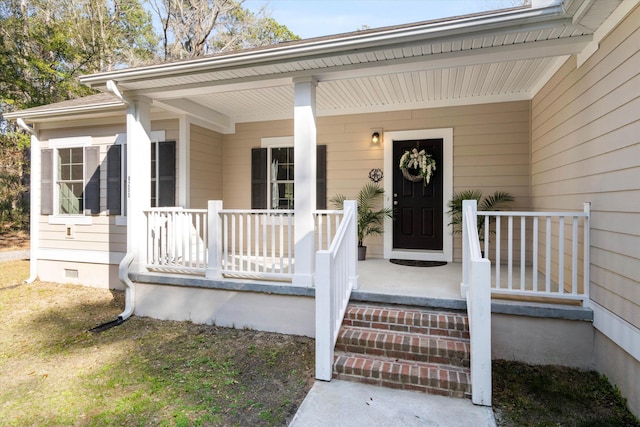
(100, 101)
(497, 56)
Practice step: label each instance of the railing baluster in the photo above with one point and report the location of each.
(548, 257)
(498, 238)
(561, 256)
(574, 257)
(510, 253)
(241, 256)
(249, 243)
(535, 254)
(281, 244)
(523, 227)
(487, 225)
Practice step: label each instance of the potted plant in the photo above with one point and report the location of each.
(370, 218)
(494, 202)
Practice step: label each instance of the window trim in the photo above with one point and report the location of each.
(60, 143)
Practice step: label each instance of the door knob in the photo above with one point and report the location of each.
(395, 202)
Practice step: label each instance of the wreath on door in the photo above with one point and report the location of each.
(417, 166)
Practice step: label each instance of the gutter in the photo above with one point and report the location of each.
(34, 202)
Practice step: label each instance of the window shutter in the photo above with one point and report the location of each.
(167, 173)
(92, 180)
(259, 178)
(46, 184)
(114, 180)
(321, 177)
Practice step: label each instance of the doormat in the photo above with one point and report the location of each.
(414, 263)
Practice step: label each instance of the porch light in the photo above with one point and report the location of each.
(375, 138)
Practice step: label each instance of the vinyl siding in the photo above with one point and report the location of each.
(491, 151)
(205, 167)
(103, 234)
(585, 148)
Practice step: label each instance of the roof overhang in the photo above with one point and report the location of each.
(489, 57)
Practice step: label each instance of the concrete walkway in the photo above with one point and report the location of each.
(14, 255)
(344, 404)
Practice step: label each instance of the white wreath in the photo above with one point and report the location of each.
(421, 162)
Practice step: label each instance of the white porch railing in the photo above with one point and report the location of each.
(336, 277)
(476, 278)
(548, 260)
(177, 240)
(232, 242)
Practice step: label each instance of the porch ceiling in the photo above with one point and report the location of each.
(500, 56)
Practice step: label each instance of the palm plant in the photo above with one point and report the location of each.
(494, 202)
(370, 218)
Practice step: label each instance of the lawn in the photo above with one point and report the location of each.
(53, 371)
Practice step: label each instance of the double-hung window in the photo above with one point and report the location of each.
(273, 172)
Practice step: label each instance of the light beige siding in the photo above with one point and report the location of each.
(586, 148)
(205, 167)
(102, 235)
(491, 151)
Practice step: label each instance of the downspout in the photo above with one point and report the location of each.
(123, 267)
(34, 208)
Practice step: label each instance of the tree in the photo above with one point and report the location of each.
(45, 45)
(193, 28)
(13, 167)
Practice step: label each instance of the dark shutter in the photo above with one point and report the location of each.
(321, 177)
(259, 178)
(46, 182)
(92, 180)
(167, 173)
(114, 180)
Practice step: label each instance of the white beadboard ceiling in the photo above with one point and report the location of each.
(503, 56)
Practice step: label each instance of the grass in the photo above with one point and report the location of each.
(525, 395)
(144, 372)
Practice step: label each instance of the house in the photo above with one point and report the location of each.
(211, 168)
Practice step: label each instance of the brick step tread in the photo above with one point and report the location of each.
(402, 345)
(402, 374)
(413, 320)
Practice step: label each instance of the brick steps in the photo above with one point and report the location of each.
(402, 345)
(406, 348)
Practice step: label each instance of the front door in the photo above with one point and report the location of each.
(418, 208)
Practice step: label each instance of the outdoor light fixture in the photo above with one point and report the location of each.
(375, 138)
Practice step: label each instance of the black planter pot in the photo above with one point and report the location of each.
(362, 253)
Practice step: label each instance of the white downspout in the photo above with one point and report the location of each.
(34, 197)
(123, 268)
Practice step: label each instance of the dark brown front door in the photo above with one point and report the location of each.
(418, 208)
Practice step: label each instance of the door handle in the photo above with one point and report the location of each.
(395, 202)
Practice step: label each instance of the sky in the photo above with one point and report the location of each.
(314, 18)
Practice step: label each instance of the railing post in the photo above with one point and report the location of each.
(214, 260)
(480, 323)
(352, 206)
(324, 325)
(587, 254)
(466, 250)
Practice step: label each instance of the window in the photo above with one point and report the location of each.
(74, 188)
(272, 177)
(70, 181)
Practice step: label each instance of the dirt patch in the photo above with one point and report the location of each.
(14, 241)
(144, 372)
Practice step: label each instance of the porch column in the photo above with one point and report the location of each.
(304, 191)
(184, 162)
(138, 177)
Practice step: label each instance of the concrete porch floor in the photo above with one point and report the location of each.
(380, 276)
